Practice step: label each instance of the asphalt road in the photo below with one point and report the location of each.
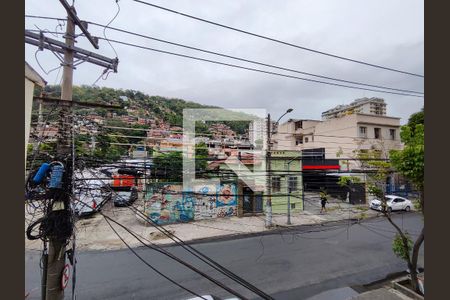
(287, 266)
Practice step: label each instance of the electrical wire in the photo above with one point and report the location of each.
(150, 266)
(257, 70)
(170, 255)
(252, 61)
(105, 27)
(197, 253)
(45, 17)
(278, 41)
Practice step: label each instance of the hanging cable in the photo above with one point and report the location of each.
(149, 265)
(278, 41)
(104, 29)
(258, 70)
(253, 61)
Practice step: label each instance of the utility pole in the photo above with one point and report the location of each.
(56, 248)
(290, 188)
(289, 195)
(54, 258)
(269, 178)
(269, 167)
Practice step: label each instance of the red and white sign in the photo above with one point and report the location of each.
(65, 276)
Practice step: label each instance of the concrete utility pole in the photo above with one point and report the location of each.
(290, 188)
(269, 176)
(54, 260)
(269, 167)
(289, 195)
(56, 250)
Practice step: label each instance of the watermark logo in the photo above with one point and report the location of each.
(240, 161)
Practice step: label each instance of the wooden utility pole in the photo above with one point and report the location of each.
(56, 248)
(269, 178)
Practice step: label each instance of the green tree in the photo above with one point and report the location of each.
(105, 151)
(416, 119)
(169, 166)
(410, 163)
(201, 156)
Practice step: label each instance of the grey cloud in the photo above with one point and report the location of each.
(384, 32)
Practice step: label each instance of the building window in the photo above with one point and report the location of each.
(276, 184)
(362, 131)
(392, 134)
(306, 139)
(292, 183)
(298, 142)
(377, 133)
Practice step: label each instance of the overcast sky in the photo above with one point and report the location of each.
(384, 32)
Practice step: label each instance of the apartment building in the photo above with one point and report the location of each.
(257, 130)
(370, 106)
(342, 132)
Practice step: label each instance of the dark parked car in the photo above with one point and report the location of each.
(124, 197)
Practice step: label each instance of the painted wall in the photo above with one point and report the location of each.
(167, 203)
(279, 169)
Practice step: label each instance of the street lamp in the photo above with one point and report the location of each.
(288, 111)
(268, 168)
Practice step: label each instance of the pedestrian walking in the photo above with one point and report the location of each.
(323, 200)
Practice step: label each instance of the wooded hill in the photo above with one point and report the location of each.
(135, 103)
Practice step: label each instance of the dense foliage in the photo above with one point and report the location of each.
(169, 166)
(168, 109)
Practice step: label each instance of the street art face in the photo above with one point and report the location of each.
(169, 204)
(227, 195)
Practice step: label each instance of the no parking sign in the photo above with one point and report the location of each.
(65, 276)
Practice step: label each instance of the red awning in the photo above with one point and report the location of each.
(322, 167)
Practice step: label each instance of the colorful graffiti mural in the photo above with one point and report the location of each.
(227, 195)
(168, 203)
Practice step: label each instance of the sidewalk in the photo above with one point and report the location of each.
(95, 234)
(385, 293)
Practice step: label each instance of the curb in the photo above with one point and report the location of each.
(275, 230)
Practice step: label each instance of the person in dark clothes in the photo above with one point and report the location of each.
(323, 200)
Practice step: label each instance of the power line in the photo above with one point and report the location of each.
(149, 265)
(250, 61)
(45, 18)
(278, 41)
(200, 256)
(274, 132)
(256, 70)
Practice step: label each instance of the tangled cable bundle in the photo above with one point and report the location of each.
(57, 224)
(35, 191)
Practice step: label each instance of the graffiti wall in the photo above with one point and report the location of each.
(165, 204)
(168, 203)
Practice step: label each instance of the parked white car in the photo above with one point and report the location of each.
(393, 203)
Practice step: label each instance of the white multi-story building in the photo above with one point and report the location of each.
(258, 131)
(342, 135)
(369, 106)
